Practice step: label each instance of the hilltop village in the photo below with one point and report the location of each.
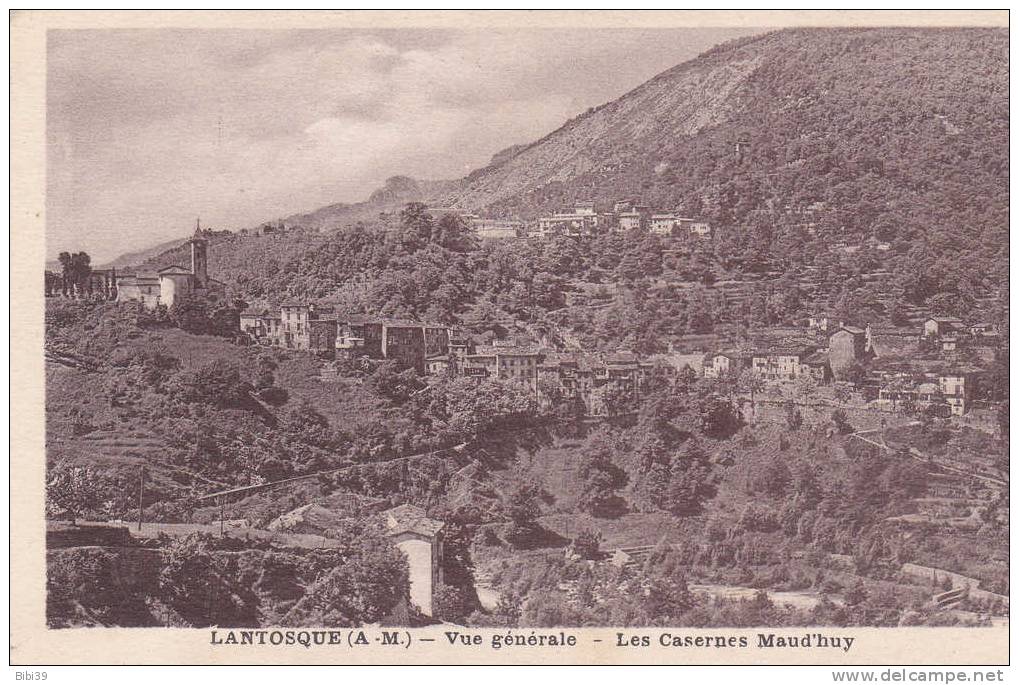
(729, 351)
(935, 368)
(874, 374)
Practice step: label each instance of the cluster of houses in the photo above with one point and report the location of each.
(945, 386)
(602, 383)
(951, 334)
(305, 326)
(626, 217)
(895, 370)
(583, 219)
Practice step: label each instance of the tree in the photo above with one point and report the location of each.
(468, 408)
(718, 417)
(217, 383)
(417, 225)
(195, 315)
(598, 491)
(78, 490)
(76, 269)
(793, 417)
(90, 579)
(361, 581)
(841, 421)
(690, 481)
(190, 314)
(453, 233)
(450, 603)
(666, 598)
(522, 504)
(805, 387)
(587, 544)
(599, 477)
(394, 382)
(201, 587)
(750, 382)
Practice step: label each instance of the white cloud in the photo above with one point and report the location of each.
(149, 128)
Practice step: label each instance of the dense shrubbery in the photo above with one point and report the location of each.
(88, 586)
(362, 582)
(195, 582)
(194, 315)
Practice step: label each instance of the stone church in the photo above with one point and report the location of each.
(173, 283)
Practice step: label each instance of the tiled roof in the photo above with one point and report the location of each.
(875, 331)
(408, 518)
(490, 350)
(407, 323)
(732, 354)
(784, 350)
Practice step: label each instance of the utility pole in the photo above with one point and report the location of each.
(141, 495)
(222, 516)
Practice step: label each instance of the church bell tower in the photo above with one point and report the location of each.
(199, 257)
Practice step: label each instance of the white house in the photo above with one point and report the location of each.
(420, 539)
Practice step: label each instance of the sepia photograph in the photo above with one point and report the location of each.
(526, 329)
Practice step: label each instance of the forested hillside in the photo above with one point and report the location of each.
(791, 507)
(897, 140)
(870, 182)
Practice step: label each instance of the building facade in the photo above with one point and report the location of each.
(936, 326)
(719, 364)
(781, 363)
(420, 539)
(172, 284)
(498, 229)
(845, 347)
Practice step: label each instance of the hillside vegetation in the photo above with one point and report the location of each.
(897, 138)
(874, 186)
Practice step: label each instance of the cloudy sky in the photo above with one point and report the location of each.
(148, 129)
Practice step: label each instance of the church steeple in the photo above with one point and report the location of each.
(199, 256)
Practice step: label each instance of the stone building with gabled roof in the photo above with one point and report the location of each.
(935, 326)
(846, 346)
(420, 539)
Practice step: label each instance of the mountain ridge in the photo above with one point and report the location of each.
(907, 138)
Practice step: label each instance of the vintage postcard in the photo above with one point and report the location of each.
(510, 338)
